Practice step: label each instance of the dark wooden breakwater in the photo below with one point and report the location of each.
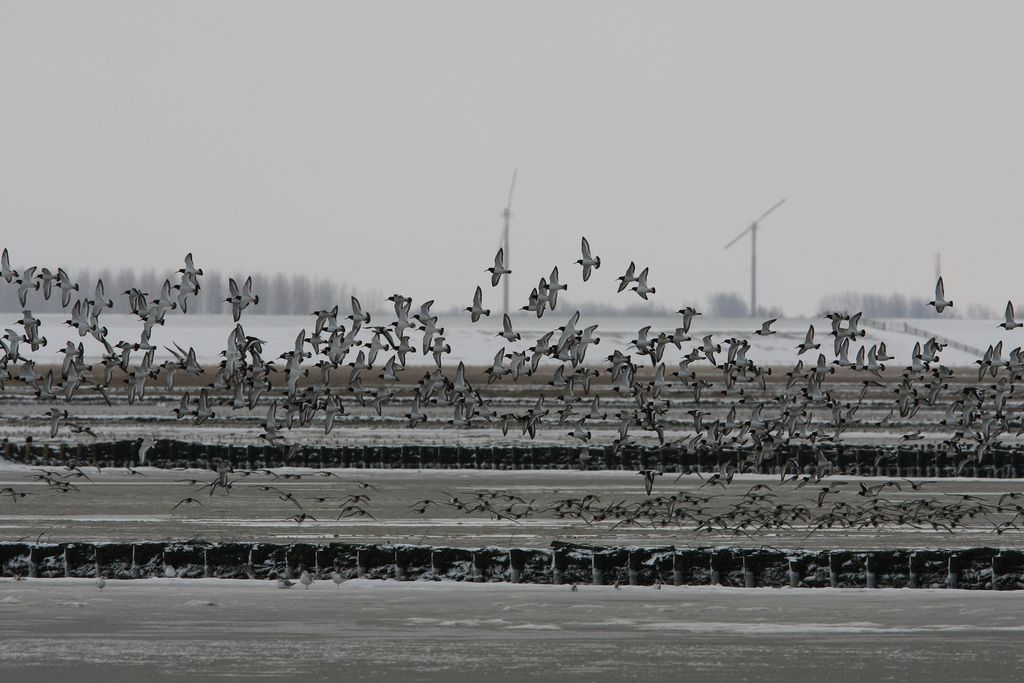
(904, 460)
(562, 563)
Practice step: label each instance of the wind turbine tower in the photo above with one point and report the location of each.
(507, 215)
(752, 229)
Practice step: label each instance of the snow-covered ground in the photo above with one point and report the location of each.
(476, 344)
(167, 629)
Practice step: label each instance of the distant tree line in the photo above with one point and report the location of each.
(732, 305)
(280, 293)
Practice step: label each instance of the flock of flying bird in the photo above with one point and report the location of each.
(773, 415)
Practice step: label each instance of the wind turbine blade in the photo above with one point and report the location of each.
(737, 237)
(512, 188)
(765, 214)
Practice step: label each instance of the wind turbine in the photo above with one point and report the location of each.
(507, 215)
(752, 229)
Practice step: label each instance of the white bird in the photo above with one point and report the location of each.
(1010, 323)
(588, 261)
(940, 302)
(766, 328)
(337, 579)
(507, 332)
(241, 297)
(808, 342)
(6, 272)
(360, 318)
(101, 583)
(306, 580)
(477, 309)
(554, 287)
(641, 285)
(499, 268)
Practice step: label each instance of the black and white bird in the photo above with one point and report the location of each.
(649, 476)
(642, 288)
(629, 277)
(940, 303)
(241, 297)
(1010, 323)
(499, 268)
(477, 310)
(507, 332)
(589, 262)
(766, 328)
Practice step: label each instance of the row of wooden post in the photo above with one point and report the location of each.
(250, 456)
(599, 568)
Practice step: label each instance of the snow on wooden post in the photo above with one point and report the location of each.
(748, 572)
(558, 562)
(834, 564)
(715, 569)
(953, 575)
(633, 567)
(794, 574)
(362, 562)
(436, 564)
(480, 566)
(871, 570)
(516, 564)
(678, 569)
(998, 567)
(597, 568)
(134, 572)
(914, 571)
(33, 563)
(206, 564)
(288, 573)
(400, 564)
(67, 568)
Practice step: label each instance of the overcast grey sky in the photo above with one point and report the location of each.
(374, 142)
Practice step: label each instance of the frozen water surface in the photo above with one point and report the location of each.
(167, 629)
